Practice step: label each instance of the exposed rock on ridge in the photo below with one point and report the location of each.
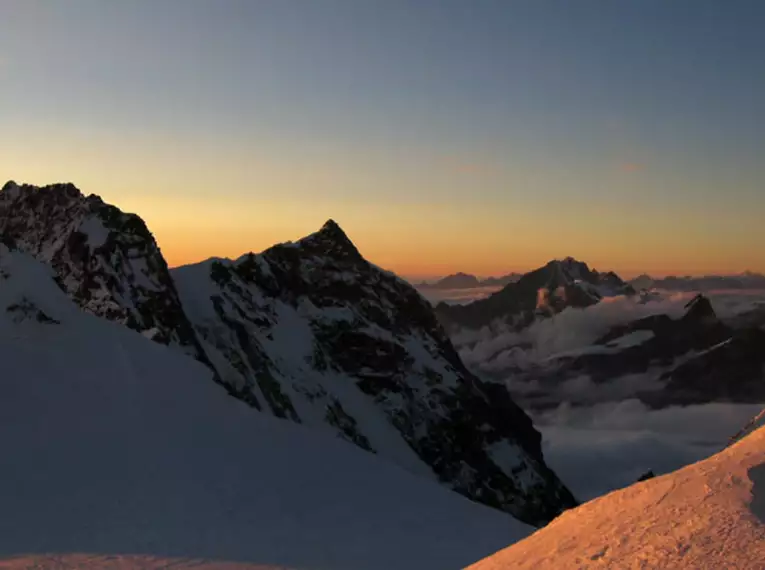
(324, 337)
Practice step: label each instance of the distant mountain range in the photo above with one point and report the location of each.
(746, 280)
(467, 281)
(539, 293)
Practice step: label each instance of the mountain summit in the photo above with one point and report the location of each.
(543, 292)
(312, 332)
(330, 240)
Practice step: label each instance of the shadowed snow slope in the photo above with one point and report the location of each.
(111, 444)
(703, 517)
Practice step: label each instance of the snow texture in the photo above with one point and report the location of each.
(706, 516)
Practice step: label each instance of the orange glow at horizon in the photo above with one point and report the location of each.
(431, 259)
(211, 209)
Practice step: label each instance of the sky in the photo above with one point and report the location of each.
(484, 136)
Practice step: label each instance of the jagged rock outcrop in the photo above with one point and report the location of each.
(316, 334)
(107, 261)
(539, 293)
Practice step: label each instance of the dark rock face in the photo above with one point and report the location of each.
(543, 292)
(312, 332)
(645, 476)
(731, 371)
(107, 261)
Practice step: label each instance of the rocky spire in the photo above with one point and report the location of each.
(333, 241)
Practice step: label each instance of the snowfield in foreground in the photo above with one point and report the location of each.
(116, 452)
(706, 516)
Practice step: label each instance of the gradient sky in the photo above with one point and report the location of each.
(476, 135)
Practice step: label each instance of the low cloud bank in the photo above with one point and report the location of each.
(457, 296)
(600, 448)
(497, 348)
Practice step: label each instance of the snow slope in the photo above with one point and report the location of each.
(113, 446)
(706, 516)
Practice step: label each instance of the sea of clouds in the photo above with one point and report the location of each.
(613, 438)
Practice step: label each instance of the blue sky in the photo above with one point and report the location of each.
(485, 135)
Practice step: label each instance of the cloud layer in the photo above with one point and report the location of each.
(608, 446)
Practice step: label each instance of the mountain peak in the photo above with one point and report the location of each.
(700, 309)
(332, 240)
(331, 226)
(332, 230)
(571, 262)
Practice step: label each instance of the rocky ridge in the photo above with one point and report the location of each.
(307, 331)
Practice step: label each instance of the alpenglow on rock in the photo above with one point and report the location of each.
(306, 331)
(316, 334)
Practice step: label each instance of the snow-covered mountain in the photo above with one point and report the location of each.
(116, 452)
(306, 331)
(106, 260)
(312, 332)
(706, 516)
(542, 292)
